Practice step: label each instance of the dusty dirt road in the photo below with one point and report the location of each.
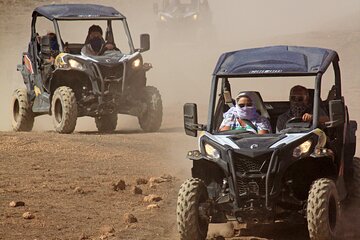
(66, 181)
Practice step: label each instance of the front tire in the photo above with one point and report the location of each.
(23, 116)
(150, 120)
(191, 225)
(323, 210)
(106, 123)
(64, 110)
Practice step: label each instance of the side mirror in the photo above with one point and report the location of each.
(190, 119)
(337, 113)
(156, 8)
(144, 42)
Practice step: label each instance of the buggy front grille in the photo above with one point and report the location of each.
(251, 175)
(112, 72)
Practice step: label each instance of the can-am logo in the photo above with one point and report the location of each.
(266, 71)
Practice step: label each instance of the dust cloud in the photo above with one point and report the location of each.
(183, 64)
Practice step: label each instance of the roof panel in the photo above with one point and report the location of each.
(275, 60)
(82, 11)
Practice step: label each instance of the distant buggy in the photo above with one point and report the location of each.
(306, 170)
(185, 16)
(66, 84)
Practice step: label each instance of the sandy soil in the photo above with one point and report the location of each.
(66, 181)
(67, 184)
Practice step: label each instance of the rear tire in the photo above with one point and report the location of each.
(64, 110)
(106, 123)
(191, 226)
(151, 119)
(323, 210)
(23, 116)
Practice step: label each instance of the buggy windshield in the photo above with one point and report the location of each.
(75, 33)
(270, 98)
(181, 5)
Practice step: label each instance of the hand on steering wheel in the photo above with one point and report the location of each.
(294, 120)
(307, 117)
(108, 46)
(111, 46)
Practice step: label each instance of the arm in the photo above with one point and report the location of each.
(224, 128)
(281, 121)
(227, 122)
(263, 125)
(263, 131)
(323, 117)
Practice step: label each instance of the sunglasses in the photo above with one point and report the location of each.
(297, 98)
(245, 104)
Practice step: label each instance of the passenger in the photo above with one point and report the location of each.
(300, 107)
(49, 58)
(173, 6)
(244, 116)
(54, 46)
(95, 43)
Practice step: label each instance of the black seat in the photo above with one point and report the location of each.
(45, 47)
(323, 104)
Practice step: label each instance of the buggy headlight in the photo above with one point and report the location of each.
(195, 17)
(75, 64)
(136, 63)
(162, 18)
(60, 61)
(211, 151)
(302, 148)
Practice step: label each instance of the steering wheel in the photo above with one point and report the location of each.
(297, 122)
(104, 48)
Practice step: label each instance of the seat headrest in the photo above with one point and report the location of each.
(257, 101)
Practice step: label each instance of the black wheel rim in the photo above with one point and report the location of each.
(332, 213)
(16, 110)
(58, 113)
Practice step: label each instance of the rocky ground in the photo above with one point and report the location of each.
(75, 186)
(115, 186)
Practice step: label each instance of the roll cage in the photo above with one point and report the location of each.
(79, 12)
(228, 67)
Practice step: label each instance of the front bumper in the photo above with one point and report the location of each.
(115, 89)
(253, 178)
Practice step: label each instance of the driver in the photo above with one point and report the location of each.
(95, 44)
(300, 107)
(245, 117)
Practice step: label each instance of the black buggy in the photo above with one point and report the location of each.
(188, 16)
(304, 171)
(67, 84)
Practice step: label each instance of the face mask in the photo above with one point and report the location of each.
(96, 44)
(297, 109)
(247, 112)
(53, 44)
